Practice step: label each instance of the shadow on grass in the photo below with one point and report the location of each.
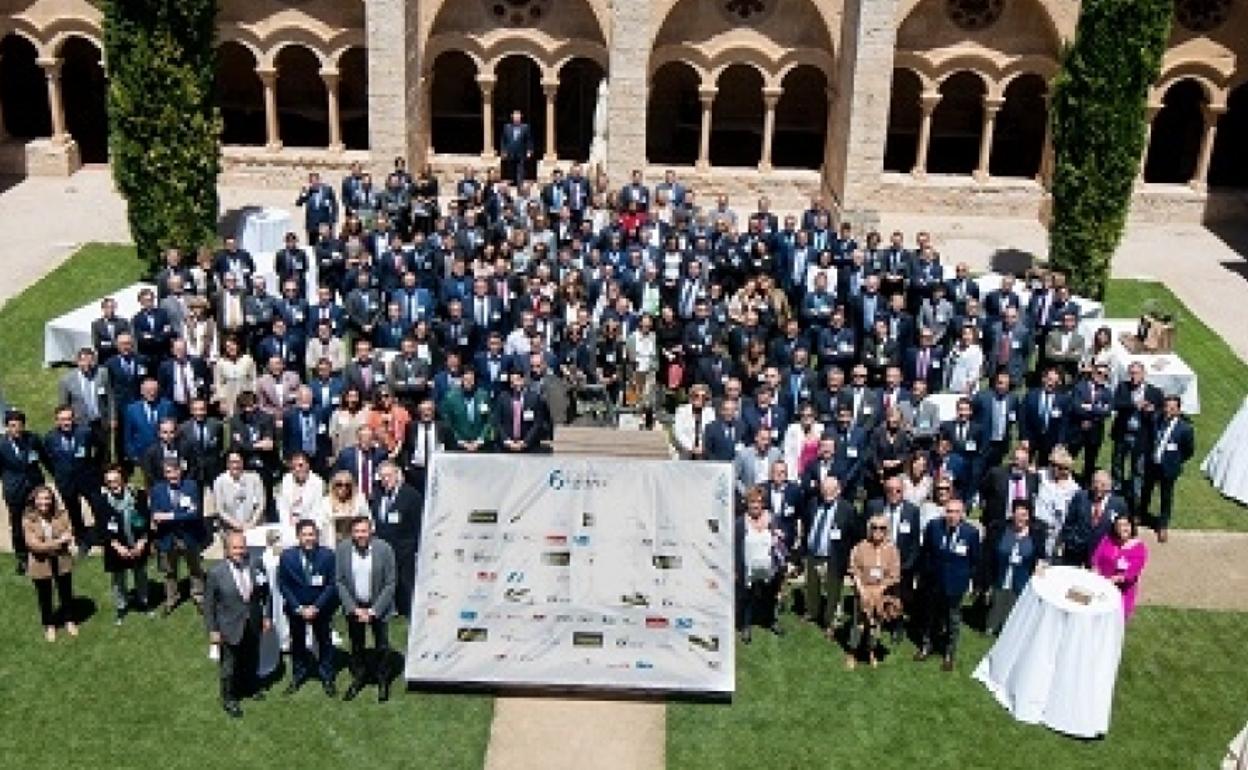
(1012, 261)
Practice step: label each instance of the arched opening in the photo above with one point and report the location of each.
(957, 124)
(1229, 166)
(574, 108)
(801, 119)
(1018, 138)
(1175, 140)
(904, 116)
(353, 98)
(302, 106)
(674, 115)
(455, 105)
(240, 95)
(84, 91)
(518, 86)
(23, 90)
(737, 118)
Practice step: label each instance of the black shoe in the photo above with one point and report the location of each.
(746, 636)
(923, 654)
(330, 689)
(293, 687)
(898, 635)
(258, 695)
(383, 691)
(231, 708)
(947, 664)
(21, 566)
(84, 549)
(353, 690)
(776, 629)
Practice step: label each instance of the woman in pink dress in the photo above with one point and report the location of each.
(1120, 557)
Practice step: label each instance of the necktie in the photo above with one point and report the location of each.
(697, 428)
(1044, 409)
(428, 443)
(923, 364)
(366, 475)
(517, 406)
(819, 536)
(89, 396)
(244, 582)
(1096, 512)
(1020, 491)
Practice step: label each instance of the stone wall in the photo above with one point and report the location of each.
(630, 55)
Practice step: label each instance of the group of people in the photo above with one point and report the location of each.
(479, 319)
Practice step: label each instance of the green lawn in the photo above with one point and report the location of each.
(145, 695)
(1179, 700)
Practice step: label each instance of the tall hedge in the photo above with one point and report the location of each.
(164, 128)
(1098, 127)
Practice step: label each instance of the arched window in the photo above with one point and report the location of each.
(574, 108)
(957, 124)
(737, 118)
(455, 105)
(302, 105)
(518, 86)
(904, 116)
(84, 94)
(801, 120)
(1018, 137)
(1174, 143)
(1229, 166)
(240, 96)
(353, 98)
(23, 90)
(674, 115)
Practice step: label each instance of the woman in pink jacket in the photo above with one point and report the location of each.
(1120, 557)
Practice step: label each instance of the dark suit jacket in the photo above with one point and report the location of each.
(314, 588)
(105, 343)
(125, 384)
(204, 461)
(908, 532)
(225, 612)
(1178, 450)
(188, 517)
(950, 564)
(199, 373)
(382, 581)
(1125, 410)
(1031, 422)
(993, 565)
(1078, 538)
(515, 141)
(292, 433)
(139, 432)
(715, 439)
(843, 532)
(19, 470)
(532, 419)
(400, 526)
(996, 493)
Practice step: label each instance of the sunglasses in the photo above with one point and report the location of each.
(878, 529)
(341, 485)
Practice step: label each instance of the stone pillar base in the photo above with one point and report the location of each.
(45, 157)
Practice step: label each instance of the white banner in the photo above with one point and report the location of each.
(575, 572)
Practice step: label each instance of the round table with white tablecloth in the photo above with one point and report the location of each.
(1056, 660)
(1227, 463)
(263, 231)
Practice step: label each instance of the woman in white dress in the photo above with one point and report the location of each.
(234, 373)
(642, 352)
(916, 481)
(343, 503)
(1057, 488)
(299, 497)
(801, 440)
(965, 363)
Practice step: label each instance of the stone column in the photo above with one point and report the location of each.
(52, 71)
(992, 105)
(706, 95)
(1149, 116)
(272, 133)
(1211, 113)
(771, 96)
(859, 126)
(486, 83)
(1044, 174)
(628, 72)
(551, 89)
(927, 104)
(391, 36)
(332, 78)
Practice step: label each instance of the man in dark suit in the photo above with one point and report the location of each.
(363, 461)
(308, 581)
(834, 529)
(1091, 404)
(1088, 519)
(234, 261)
(201, 440)
(1046, 411)
(320, 205)
(904, 532)
(20, 453)
(106, 329)
(1009, 346)
(178, 520)
(152, 327)
(76, 466)
(996, 410)
(366, 578)
(515, 145)
(236, 613)
(182, 379)
(960, 288)
(163, 449)
(951, 552)
(1171, 442)
(966, 440)
(396, 509)
(1004, 484)
(519, 417)
(142, 418)
(723, 435)
(1136, 402)
(786, 501)
(253, 434)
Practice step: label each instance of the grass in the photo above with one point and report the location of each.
(145, 695)
(1179, 701)
(1222, 375)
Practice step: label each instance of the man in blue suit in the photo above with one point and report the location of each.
(20, 453)
(304, 430)
(997, 411)
(142, 419)
(320, 205)
(1171, 442)
(180, 532)
(305, 576)
(73, 459)
(967, 442)
(1009, 346)
(723, 435)
(785, 500)
(516, 147)
(763, 414)
(951, 551)
(1046, 411)
(362, 461)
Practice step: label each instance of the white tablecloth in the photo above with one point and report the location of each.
(1227, 463)
(1166, 371)
(947, 403)
(277, 638)
(262, 231)
(1056, 660)
(1088, 308)
(65, 335)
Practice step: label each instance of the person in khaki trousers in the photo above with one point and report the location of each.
(50, 540)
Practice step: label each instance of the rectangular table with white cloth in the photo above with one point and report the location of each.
(1056, 661)
(1088, 308)
(1227, 463)
(1166, 370)
(263, 230)
(65, 335)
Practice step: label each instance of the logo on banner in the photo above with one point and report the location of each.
(482, 517)
(586, 639)
(561, 480)
(656, 622)
(472, 634)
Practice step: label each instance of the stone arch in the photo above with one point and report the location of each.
(454, 42)
(63, 29)
(722, 60)
(23, 87)
(496, 51)
(682, 54)
(302, 104)
(929, 15)
(1174, 141)
(353, 96)
(801, 118)
(828, 15)
(455, 104)
(1202, 73)
(575, 102)
(737, 116)
(1229, 165)
(1018, 134)
(673, 113)
(239, 94)
(24, 29)
(904, 116)
(232, 32)
(84, 93)
(298, 39)
(957, 123)
(435, 11)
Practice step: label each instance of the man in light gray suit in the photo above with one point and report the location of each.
(752, 465)
(920, 414)
(236, 612)
(86, 391)
(366, 576)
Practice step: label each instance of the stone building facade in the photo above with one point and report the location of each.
(896, 105)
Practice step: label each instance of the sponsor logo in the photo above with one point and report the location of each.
(515, 576)
(656, 621)
(581, 540)
(587, 519)
(563, 618)
(556, 540)
(635, 600)
(666, 561)
(624, 643)
(486, 576)
(468, 615)
(713, 524)
(516, 594)
(482, 517)
(557, 558)
(557, 599)
(586, 639)
(575, 481)
(684, 624)
(472, 634)
(708, 643)
(538, 616)
(643, 665)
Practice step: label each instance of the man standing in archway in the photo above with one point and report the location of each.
(516, 146)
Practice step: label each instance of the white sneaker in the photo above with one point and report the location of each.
(213, 652)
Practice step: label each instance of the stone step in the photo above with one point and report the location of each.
(609, 442)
